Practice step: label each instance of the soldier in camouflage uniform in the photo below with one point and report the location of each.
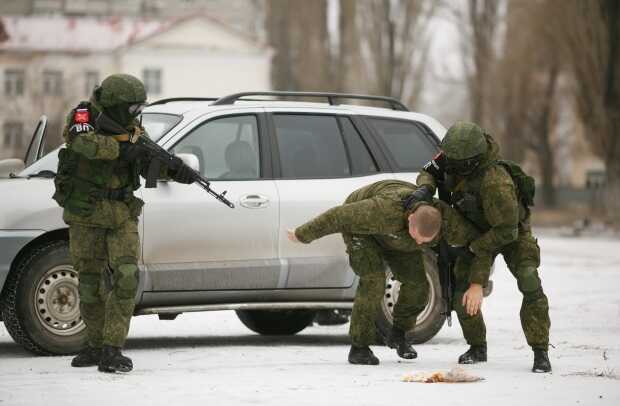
(377, 230)
(484, 192)
(97, 175)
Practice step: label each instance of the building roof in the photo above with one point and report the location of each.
(85, 34)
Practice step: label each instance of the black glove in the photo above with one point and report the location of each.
(437, 167)
(128, 151)
(422, 194)
(185, 174)
(462, 252)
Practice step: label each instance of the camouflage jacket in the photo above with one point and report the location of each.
(376, 210)
(95, 165)
(488, 199)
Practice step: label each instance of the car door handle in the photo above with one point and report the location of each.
(254, 201)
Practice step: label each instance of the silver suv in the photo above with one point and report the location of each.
(282, 162)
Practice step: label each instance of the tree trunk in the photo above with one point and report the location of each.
(612, 169)
(612, 110)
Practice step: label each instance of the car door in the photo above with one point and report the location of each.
(322, 158)
(37, 143)
(192, 242)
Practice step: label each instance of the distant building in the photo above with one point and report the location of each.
(49, 63)
(246, 15)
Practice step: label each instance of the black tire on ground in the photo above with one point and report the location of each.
(430, 320)
(44, 279)
(276, 322)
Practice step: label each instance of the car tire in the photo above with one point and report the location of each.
(432, 318)
(276, 322)
(40, 304)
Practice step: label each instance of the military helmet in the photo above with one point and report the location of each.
(122, 97)
(464, 141)
(120, 89)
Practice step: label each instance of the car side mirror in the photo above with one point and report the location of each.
(12, 165)
(190, 160)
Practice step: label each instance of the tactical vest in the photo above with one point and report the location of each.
(81, 182)
(467, 200)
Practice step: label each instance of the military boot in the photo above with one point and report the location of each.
(362, 356)
(88, 357)
(113, 361)
(396, 339)
(475, 354)
(541, 361)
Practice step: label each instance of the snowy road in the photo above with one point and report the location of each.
(212, 359)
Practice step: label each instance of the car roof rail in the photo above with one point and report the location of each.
(331, 98)
(175, 99)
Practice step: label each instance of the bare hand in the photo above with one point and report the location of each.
(291, 235)
(472, 299)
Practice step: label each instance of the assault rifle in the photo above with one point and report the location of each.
(158, 156)
(445, 261)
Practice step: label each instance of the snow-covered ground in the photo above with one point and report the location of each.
(212, 359)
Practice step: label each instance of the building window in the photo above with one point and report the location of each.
(13, 134)
(91, 80)
(14, 82)
(52, 82)
(152, 81)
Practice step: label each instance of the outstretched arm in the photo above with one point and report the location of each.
(369, 216)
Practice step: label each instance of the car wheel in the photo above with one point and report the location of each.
(40, 306)
(276, 322)
(431, 319)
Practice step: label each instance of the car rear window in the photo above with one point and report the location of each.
(405, 141)
(360, 158)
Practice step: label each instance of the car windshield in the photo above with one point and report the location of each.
(156, 124)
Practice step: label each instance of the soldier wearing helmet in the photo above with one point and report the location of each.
(97, 176)
(484, 192)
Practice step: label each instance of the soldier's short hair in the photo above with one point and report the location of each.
(426, 220)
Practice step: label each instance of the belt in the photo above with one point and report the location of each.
(114, 194)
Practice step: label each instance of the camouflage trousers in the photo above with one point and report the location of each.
(106, 262)
(523, 260)
(368, 260)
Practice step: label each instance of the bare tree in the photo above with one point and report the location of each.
(524, 93)
(347, 66)
(589, 32)
(394, 36)
(297, 30)
(477, 23)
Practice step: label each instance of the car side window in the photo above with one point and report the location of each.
(362, 162)
(227, 148)
(310, 146)
(405, 141)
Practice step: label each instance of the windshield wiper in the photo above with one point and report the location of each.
(43, 174)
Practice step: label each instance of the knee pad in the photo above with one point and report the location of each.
(528, 280)
(126, 285)
(535, 297)
(88, 287)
